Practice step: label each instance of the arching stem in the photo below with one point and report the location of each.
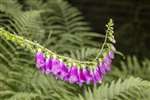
(102, 48)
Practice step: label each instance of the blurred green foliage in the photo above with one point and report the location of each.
(61, 27)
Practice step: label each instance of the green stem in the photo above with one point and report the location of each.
(101, 50)
(35, 46)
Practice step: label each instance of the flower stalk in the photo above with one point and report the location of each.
(68, 69)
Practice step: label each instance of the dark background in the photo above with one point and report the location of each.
(132, 22)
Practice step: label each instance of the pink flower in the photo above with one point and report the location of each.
(40, 61)
(73, 75)
(111, 54)
(82, 78)
(64, 71)
(55, 66)
(48, 66)
(88, 76)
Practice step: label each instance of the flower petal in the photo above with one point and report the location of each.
(111, 54)
(55, 66)
(48, 65)
(73, 75)
(88, 76)
(82, 78)
(40, 60)
(63, 71)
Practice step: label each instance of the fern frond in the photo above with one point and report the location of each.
(21, 22)
(83, 53)
(20, 80)
(129, 89)
(10, 6)
(132, 67)
(68, 27)
(69, 18)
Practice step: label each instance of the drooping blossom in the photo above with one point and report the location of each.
(74, 74)
(88, 76)
(64, 71)
(82, 77)
(40, 61)
(55, 66)
(48, 65)
(111, 54)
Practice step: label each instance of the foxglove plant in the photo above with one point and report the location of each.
(74, 73)
(68, 69)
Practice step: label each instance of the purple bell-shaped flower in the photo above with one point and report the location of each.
(55, 66)
(48, 65)
(73, 75)
(87, 75)
(111, 54)
(40, 61)
(64, 71)
(82, 78)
